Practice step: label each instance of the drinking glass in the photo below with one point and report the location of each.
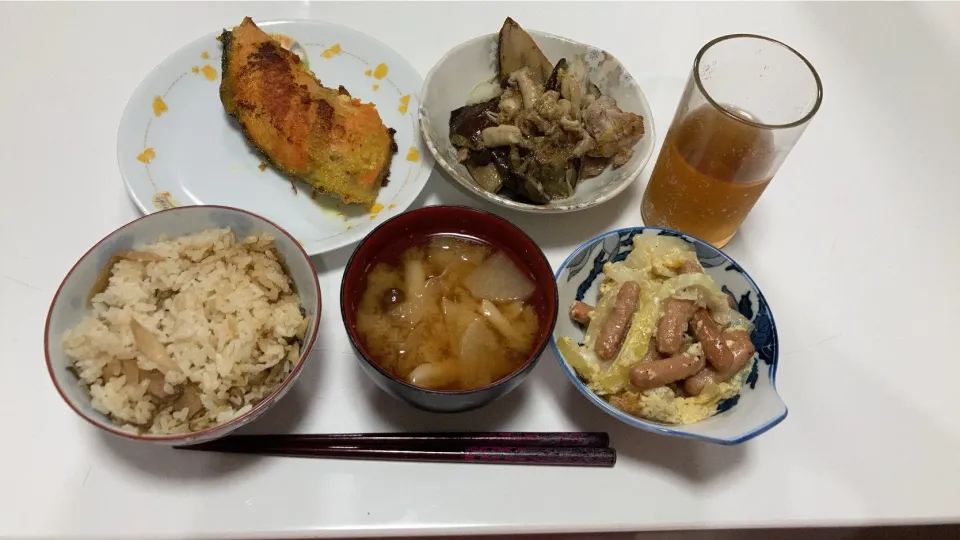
(746, 103)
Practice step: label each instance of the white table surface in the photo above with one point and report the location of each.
(844, 243)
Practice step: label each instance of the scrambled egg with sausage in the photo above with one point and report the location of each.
(663, 341)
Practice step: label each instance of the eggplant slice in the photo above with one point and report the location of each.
(559, 72)
(468, 122)
(592, 166)
(488, 176)
(517, 49)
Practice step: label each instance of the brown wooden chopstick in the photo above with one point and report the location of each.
(429, 440)
(565, 449)
(526, 455)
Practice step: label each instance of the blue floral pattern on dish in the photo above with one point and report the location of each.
(611, 249)
(757, 407)
(764, 336)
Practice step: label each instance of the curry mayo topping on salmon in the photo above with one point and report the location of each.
(320, 136)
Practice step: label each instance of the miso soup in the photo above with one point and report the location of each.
(448, 314)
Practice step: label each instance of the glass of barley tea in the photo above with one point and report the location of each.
(745, 105)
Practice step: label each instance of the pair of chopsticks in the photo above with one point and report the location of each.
(577, 449)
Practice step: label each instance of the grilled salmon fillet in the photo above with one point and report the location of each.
(317, 135)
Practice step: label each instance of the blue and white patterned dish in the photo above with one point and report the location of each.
(756, 409)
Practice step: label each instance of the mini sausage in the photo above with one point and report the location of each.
(673, 324)
(695, 384)
(580, 312)
(711, 338)
(740, 345)
(652, 354)
(663, 372)
(742, 349)
(615, 327)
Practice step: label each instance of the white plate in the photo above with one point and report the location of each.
(193, 153)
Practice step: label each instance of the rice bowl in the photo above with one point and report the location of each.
(188, 335)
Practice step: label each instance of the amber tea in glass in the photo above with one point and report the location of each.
(745, 105)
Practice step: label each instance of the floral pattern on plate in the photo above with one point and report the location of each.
(175, 140)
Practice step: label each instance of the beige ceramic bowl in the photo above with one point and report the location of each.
(69, 305)
(450, 82)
